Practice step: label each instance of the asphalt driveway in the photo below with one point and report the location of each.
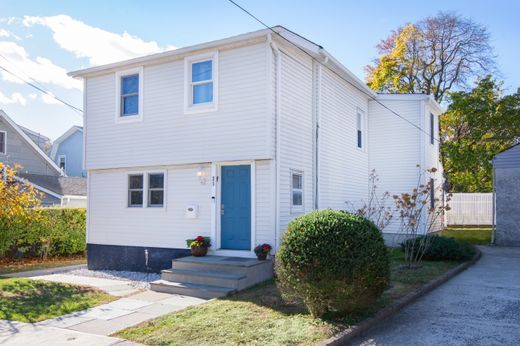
(480, 306)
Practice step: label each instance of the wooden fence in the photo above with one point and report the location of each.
(470, 209)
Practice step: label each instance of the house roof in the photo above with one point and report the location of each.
(40, 140)
(62, 138)
(29, 141)
(308, 46)
(60, 186)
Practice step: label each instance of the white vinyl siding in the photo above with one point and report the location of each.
(238, 130)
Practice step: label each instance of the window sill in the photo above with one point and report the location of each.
(129, 119)
(201, 109)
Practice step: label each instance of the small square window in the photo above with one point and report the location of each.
(296, 190)
(156, 190)
(135, 190)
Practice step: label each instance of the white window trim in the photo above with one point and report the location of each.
(431, 120)
(64, 169)
(138, 116)
(5, 143)
(361, 113)
(206, 107)
(297, 208)
(145, 189)
(148, 189)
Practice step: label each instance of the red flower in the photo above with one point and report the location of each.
(200, 238)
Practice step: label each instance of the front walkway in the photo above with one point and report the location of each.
(480, 306)
(92, 326)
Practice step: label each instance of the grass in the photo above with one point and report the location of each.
(28, 300)
(259, 316)
(475, 236)
(13, 266)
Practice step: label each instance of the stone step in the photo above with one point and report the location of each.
(221, 279)
(220, 264)
(189, 289)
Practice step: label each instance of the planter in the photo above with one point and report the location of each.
(261, 256)
(199, 251)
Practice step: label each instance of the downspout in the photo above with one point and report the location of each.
(316, 89)
(493, 201)
(278, 83)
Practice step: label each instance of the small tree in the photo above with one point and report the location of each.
(419, 212)
(376, 208)
(16, 197)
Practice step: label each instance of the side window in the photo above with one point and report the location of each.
(360, 128)
(432, 194)
(135, 190)
(432, 128)
(3, 142)
(297, 191)
(156, 190)
(201, 75)
(62, 162)
(129, 93)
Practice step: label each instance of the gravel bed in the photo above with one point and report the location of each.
(135, 279)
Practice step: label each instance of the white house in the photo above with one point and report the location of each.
(232, 139)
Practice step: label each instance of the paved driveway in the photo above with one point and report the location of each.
(480, 306)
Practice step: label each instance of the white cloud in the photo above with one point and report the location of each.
(50, 100)
(40, 69)
(4, 33)
(98, 45)
(13, 99)
(33, 96)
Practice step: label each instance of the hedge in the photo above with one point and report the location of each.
(442, 248)
(47, 232)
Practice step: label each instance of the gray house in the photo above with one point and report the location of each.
(506, 188)
(20, 146)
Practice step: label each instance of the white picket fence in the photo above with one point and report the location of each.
(470, 209)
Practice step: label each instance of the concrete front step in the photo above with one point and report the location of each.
(221, 279)
(188, 289)
(222, 264)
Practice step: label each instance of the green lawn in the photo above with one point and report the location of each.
(259, 316)
(28, 300)
(13, 266)
(475, 236)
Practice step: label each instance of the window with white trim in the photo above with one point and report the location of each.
(129, 91)
(360, 128)
(135, 190)
(156, 189)
(432, 128)
(296, 190)
(3, 142)
(201, 82)
(62, 162)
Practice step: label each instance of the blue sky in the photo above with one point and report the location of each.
(44, 39)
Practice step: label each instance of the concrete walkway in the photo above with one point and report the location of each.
(480, 306)
(92, 326)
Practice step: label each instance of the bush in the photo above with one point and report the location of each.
(335, 262)
(443, 248)
(46, 232)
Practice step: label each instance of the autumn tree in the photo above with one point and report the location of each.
(432, 56)
(478, 124)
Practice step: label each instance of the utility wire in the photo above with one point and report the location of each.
(40, 89)
(328, 68)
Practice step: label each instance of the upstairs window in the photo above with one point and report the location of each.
(432, 128)
(156, 190)
(360, 128)
(62, 162)
(3, 142)
(129, 91)
(135, 190)
(201, 83)
(297, 191)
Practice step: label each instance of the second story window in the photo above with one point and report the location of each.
(201, 83)
(62, 162)
(360, 128)
(129, 91)
(432, 128)
(3, 142)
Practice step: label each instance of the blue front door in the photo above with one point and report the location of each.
(235, 207)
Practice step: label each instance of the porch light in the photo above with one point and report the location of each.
(202, 175)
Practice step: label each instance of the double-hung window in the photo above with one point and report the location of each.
(62, 162)
(129, 95)
(432, 193)
(296, 191)
(432, 128)
(3, 142)
(201, 83)
(360, 128)
(146, 190)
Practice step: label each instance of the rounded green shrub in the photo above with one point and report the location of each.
(441, 248)
(335, 262)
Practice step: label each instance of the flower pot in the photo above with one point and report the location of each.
(261, 256)
(199, 251)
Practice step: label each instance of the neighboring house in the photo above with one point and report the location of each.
(506, 188)
(67, 152)
(234, 138)
(40, 140)
(17, 146)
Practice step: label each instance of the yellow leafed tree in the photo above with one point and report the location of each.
(16, 197)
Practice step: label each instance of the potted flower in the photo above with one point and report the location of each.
(262, 250)
(199, 246)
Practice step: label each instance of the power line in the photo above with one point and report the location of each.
(40, 89)
(331, 70)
